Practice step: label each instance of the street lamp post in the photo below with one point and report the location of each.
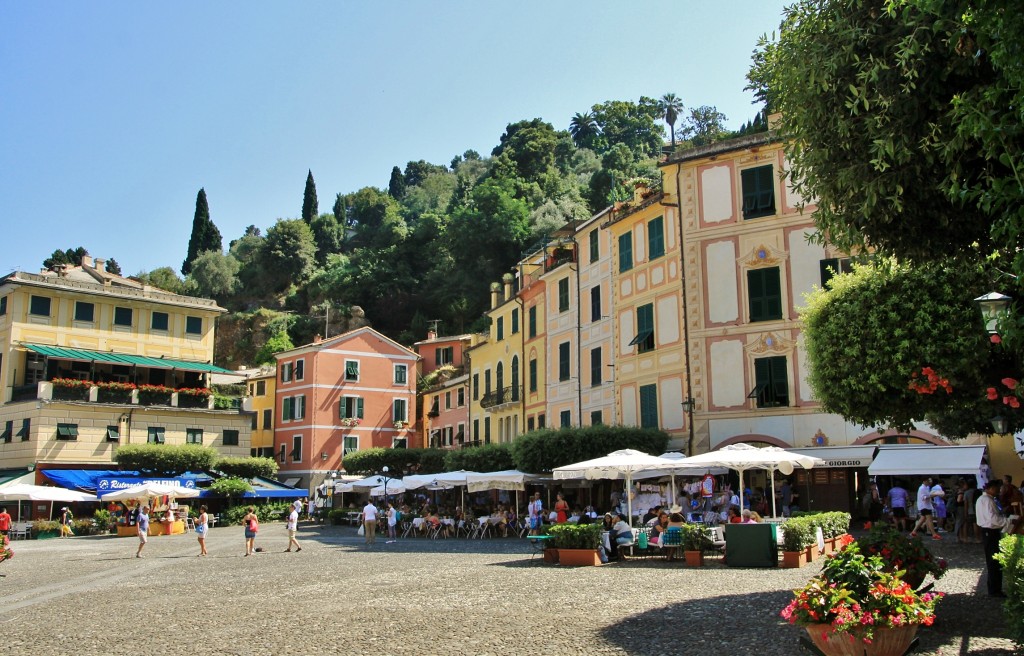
(994, 307)
(385, 470)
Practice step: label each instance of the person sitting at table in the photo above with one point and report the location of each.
(673, 536)
(608, 522)
(650, 516)
(620, 534)
(751, 517)
(499, 520)
(734, 516)
(658, 529)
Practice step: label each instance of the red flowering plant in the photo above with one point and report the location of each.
(928, 381)
(72, 383)
(193, 391)
(855, 594)
(116, 386)
(6, 553)
(155, 389)
(902, 553)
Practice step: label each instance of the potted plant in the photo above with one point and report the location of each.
(577, 544)
(796, 536)
(855, 606)
(6, 553)
(154, 395)
(193, 397)
(400, 425)
(45, 528)
(114, 392)
(350, 422)
(694, 541)
(902, 553)
(71, 389)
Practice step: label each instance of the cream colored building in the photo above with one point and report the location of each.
(261, 387)
(73, 342)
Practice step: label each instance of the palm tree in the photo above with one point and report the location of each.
(672, 106)
(583, 128)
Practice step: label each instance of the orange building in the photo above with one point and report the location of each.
(354, 391)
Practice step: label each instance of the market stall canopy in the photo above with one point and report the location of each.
(25, 492)
(147, 490)
(927, 460)
(108, 480)
(509, 479)
(840, 456)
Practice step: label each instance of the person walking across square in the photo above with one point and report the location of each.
(991, 520)
(142, 526)
(925, 509)
(293, 527)
(370, 523)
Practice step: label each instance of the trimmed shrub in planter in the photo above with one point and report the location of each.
(798, 534)
(1011, 556)
(114, 392)
(70, 389)
(45, 528)
(155, 395)
(193, 397)
(576, 544)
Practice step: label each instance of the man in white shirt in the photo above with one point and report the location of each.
(293, 527)
(370, 522)
(925, 509)
(536, 507)
(991, 520)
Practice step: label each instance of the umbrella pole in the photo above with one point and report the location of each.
(741, 491)
(774, 511)
(629, 500)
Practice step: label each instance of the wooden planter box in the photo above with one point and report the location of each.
(551, 555)
(812, 553)
(694, 558)
(578, 557)
(794, 559)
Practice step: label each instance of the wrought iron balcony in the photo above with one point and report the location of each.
(499, 398)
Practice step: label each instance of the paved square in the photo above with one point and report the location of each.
(89, 595)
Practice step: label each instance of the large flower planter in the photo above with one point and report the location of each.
(794, 559)
(578, 557)
(192, 401)
(694, 558)
(812, 553)
(154, 398)
(551, 555)
(886, 642)
(114, 396)
(70, 393)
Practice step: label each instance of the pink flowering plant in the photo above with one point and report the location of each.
(855, 594)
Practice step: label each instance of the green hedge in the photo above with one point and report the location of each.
(575, 536)
(372, 461)
(486, 458)
(1011, 556)
(165, 458)
(247, 467)
(543, 450)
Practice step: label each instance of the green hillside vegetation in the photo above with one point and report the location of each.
(427, 246)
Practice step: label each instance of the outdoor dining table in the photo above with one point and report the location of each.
(539, 543)
(353, 517)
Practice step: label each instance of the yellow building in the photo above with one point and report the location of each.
(261, 386)
(649, 355)
(496, 404)
(75, 344)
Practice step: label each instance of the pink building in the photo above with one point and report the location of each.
(354, 391)
(445, 408)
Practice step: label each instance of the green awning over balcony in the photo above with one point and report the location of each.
(85, 355)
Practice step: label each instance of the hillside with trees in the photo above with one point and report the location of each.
(427, 245)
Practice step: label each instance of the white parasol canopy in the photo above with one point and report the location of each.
(394, 486)
(442, 480)
(26, 492)
(617, 464)
(367, 483)
(678, 470)
(742, 457)
(509, 479)
(151, 489)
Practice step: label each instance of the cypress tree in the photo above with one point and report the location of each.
(205, 235)
(396, 187)
(339, 209)
(310, 208)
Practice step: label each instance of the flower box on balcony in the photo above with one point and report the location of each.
(114, 392)
(71, 389)
(154, 395)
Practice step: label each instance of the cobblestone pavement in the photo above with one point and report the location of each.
(90, 595)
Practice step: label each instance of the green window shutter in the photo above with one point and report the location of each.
(625, 252)
(595, 366)
(533, 375)
(764, 290)
(829, 266)
(648, 406)
(533, 321)
(758, 192)
(563, 294)
(515, 321)
(286, 408)
(359, 407)
(656, 238)
(563, 361)
(500, 329)
(644, 340)
(595, 249)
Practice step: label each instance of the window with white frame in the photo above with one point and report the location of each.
(296, 448)
(286, 372)
(193, 436)
(350, 407)
(400, 410)
(352, 371)
(300, 366)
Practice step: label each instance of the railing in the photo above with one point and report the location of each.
(47, 391)
(502, 396)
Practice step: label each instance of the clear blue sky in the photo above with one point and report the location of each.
(114, 114)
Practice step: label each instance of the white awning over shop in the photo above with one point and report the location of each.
(841, 456)
(926, 460)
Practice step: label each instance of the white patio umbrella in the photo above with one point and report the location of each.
(441, 481)
(151, 489)
(28, 492)
(615, 465)
(394, 486)
(367, 483)
(742, 457)
(509, 479)
(679, 470)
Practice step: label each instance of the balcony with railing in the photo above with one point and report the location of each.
(499, 398)
(123, 394)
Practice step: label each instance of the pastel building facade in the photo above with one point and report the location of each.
(496, 369)
(336, 396)
(445, 402)
(646, 303)
(596, 371)
(748, 264)
(76, 341)
(261, 387)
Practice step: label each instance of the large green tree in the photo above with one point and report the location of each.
(310, 207)
(162, 278)
(72, 256)
(671, 106)
(584, 130)
(214, 275)
(288, 254)
(205, 235)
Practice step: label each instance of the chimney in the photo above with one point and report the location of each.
(507, 286)
(87, 261)
(431, 335)
(495, 294)
(317, 339)
(99, 263)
